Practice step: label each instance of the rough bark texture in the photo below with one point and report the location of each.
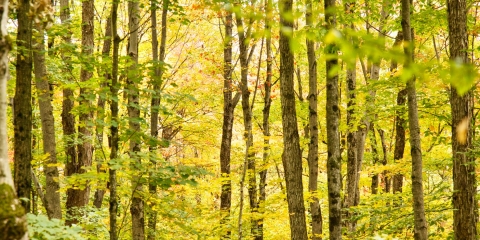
(52, 196)
(68, 119)
(334, 161)
(136, 208)
(312, 159)
(420, 225)
(114, 138)
(227, 127)
(99, 156)
(292, 156)
(22, 110)
(13, 222)
(464, 183)
(266, 116)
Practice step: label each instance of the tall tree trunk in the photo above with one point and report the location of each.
(292, 156)
(68, 119)
(385, 179)
(334, 161)
(114, 138)
(247, 120)
(136, 208)
(14, 222)
(107, 43)
(374, 148)
(464, 183)
(399, 124)
(420, 226)
(155, 104)
(312, 159)
(52, 197)
(266, 116)
(22, 111)
(229, 104)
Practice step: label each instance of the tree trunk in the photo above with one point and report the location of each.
(266, 116)
(385, 179)
(22, 111)
(52, 197)
(292, 156)
(334, 161)
(420, 226)
(464, 183)
(107, 43)
(136, 208)
(13, 224)
(315, 210)
(375, 160)
(112, 173)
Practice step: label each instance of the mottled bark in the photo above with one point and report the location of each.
(292, 156)
(136, 208)
(52, 196)
(334, 161)
(420, 224)
(312, 159)
(464, 183)
(22, 110)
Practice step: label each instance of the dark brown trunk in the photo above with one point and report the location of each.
(22, 110)
(292, 156)
(52, 186)
(114, 138)
(385, 179)
(420, 224)
(464, 183)
(315, 211)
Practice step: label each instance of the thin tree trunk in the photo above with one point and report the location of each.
(334, 161)
(136, 208)
(464, 184)
(22, 111)
(373, 144)
(52, 197)
(157, 83)
(420, 226)
(107, 43)
(385, 179)
(266, 115)
(229, 104)
(312, 159)
(292, 156)
(112, 173)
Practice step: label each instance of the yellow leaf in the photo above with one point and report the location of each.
(462, 131)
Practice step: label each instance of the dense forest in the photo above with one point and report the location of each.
(239, 119)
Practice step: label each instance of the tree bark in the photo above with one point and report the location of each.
(420, 225)
(292, 156)
(52, 196)
(464, 184)
(312, 159)
(375, 158)
(13, 224)
(22, 111)
(114, 138)
(334, 161)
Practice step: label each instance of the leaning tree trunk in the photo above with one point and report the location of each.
(420, 224)
(114, 138)
(464, 183)
(22, 110)
(136, 208)
(292, 156)
(312, 159)
(52, 186)
(13, 223)
(334, 161)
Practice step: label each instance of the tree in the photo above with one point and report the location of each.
(52, 195)
(464, 184)
(315, 210)
(420, 230)
(22, 109)
(13, 223)
(292, 156)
